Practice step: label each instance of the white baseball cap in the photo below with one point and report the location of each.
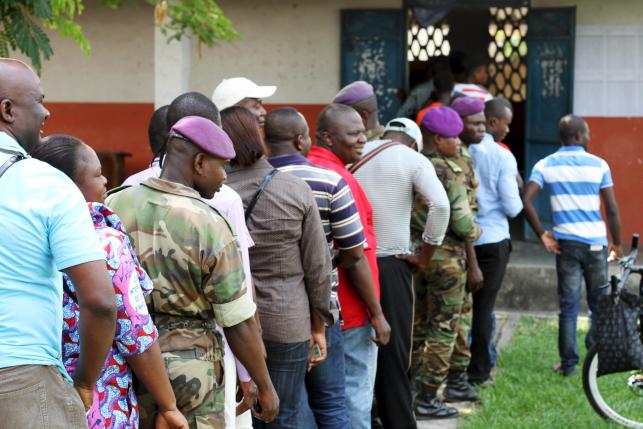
(408, 127)
(231, 91)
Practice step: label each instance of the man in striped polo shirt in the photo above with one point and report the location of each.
(577, 180)
(288, 137)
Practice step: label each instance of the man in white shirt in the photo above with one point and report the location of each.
(392, 172)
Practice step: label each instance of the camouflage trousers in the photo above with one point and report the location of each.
(197, 379)
(442, 320)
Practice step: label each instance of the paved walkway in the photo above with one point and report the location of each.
(506, 323)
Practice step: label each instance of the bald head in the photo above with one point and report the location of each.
(22, 114)
(331, 115)
(340, 129)
(573, 131)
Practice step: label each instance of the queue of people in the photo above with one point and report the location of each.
(252, 279)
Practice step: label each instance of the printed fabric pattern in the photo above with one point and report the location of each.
(115, 405)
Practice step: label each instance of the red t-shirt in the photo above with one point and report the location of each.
(502, 145)
(354, 311)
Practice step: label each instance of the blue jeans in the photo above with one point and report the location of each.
(575, 262)
(287, 368)
(323, 403)
(360, 360)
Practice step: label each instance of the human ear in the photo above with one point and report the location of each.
(365, 115)
(199, 164)
(299, 143)
(6, 112)
(328, 141)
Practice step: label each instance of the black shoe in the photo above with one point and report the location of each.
(459, 389)
(434, 409)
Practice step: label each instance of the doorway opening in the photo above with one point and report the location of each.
(497, 34)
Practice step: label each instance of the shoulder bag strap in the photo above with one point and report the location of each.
(371, 155)
(263, 185)
(16, 156)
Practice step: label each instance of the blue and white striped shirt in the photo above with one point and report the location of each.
(575, 178)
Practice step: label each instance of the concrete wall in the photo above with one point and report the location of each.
(600, 12)
(292, 44)
(121, 67)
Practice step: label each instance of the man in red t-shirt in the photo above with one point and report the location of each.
(340, 140)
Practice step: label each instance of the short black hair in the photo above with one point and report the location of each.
(157, 129)
(61, 152)
(281, 124)
(569, 127)
(192, 104)
(495, 108)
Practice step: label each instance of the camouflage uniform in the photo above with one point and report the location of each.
(191, 254)
(443, 307)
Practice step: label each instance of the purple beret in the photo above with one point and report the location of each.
(354, 93)
(205, 134)
(443, 121)
(467, 106)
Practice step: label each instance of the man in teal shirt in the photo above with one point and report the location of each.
(46, 229)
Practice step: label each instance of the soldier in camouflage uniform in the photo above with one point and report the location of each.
(471, 111)
(440, 338)
(191, 254)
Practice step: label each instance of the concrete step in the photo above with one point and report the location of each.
(530, 282)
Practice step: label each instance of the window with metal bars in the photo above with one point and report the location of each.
(427, 42)
(508, 52)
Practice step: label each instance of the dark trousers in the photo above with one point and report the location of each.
(392, 382)
(287, 364)
(492, 259)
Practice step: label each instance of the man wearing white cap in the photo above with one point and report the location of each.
(391, 171)
(239, 91)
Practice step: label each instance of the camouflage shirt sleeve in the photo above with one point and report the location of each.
(462, 220)
(224, 285)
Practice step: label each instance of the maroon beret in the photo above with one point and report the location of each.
(467, 106)
(206, 135)
(443, 121)
(354, 93)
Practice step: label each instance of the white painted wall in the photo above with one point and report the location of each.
(608, 63)
(121, 67)
(292, 44)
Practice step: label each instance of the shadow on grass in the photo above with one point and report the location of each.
(527, 393)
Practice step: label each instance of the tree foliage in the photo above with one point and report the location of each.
(22, 23)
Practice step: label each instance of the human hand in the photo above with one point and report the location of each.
(319, 339)
(170, 419)
(86, 395)
(268, 404)
(614, 251)
(550, 242)
(414, 261)
(382, 330)
(475, 279)
(248, 398)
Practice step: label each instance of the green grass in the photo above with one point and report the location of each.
(527, 393)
